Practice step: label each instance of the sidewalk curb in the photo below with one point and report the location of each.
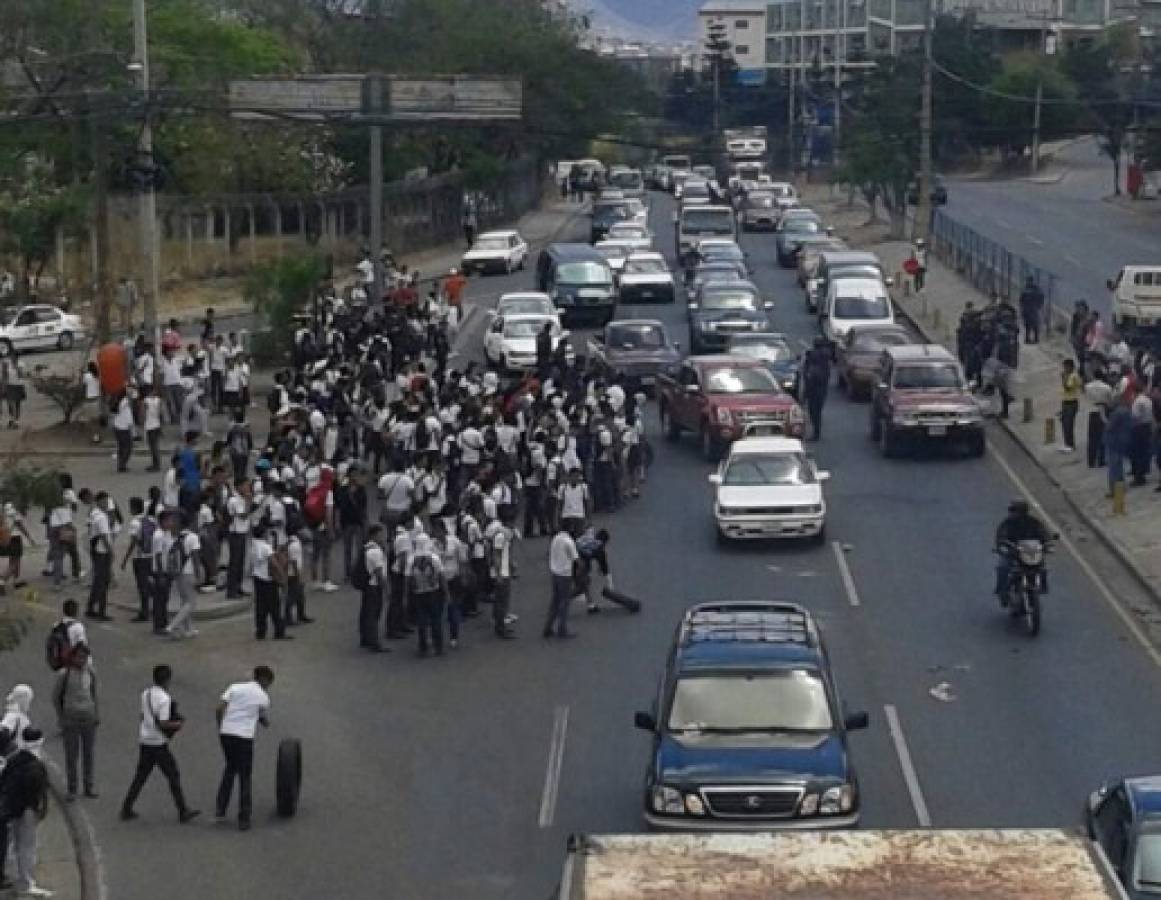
(89, 862)
(226, 609)
(1093, 524)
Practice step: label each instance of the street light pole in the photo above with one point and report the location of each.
(375, 108)
(840, 27)
(926, 174)
(147, 210)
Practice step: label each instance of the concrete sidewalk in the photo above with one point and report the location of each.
(1135, 538)
(58, 863)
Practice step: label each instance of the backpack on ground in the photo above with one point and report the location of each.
(424, 574)
(314, 507)
(57, 646)
(360, 577)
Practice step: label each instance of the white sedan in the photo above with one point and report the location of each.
(615, 252)
(521, 303)
(638, 235)
(496, 251)
(38, 327)
(769, 488)
(510, 342)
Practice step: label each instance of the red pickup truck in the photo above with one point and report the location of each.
(722, 398)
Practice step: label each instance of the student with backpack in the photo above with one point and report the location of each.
(368, 577)
(268, 569)
(318, 509)
(295, 609)
(141, 530)
(241, 443)
(163, 538)
(425, 587)
(182, 562)
(101, 553)
(74, 697)
(67, 632)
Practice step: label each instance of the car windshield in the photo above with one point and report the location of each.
(611, 213)
(876, 341)
(626, 180)
(802, 225)
(496, 243)
(517, 307)
(646, 267)
(929, 375)
(740, 381)
(583, 273)
(628, 232)
(729, 299)
(1147, 862)
(524, 328)
(753, 469)
(767, 350)
(861, 307)
(788, 700)
(636, 337)
(707, 221)
(760, 201)
(612, 251)
(719, 252)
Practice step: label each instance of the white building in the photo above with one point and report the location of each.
(745, 29)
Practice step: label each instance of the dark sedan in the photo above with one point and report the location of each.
(859, 354)
(715, 271)
(637, 349)
(722, 310)
(774, 350)
(792, 231)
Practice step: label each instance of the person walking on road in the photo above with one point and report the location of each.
(1031, 310)
(1118, 437)
(369, 577)
(562, 566)
(425, 586)
(101, 552)
(919, 254)
(268, 569)
(243, 707)
(74, 697)
(160, 722)
(1070, 389)
(1100, 393)
(816, 383)
(182, 562)
(24, 801)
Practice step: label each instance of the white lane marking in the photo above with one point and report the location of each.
(1085, 567)
(845, 572)
(909, 775)
(1002, 223)
(1036, 241)
(555, 764)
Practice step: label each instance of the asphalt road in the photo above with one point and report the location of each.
(433, 778)
(1062, 227)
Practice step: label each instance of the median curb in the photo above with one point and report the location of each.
(90, 865)
(1095, 525)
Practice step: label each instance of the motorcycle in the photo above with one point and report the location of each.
(1027, 580)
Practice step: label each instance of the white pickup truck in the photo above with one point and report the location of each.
(1017, 864)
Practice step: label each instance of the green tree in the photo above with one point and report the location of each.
(1009, 106)
(279, 292)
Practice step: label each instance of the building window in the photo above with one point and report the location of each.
(741, 49)
(741, 24)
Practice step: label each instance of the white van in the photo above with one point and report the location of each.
(1136, 298)
(855, 301)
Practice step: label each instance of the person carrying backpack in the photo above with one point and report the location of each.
(426, 590)
(182, 561)
(142, 527)
(241, 443)
(368, 576)
(318, 510)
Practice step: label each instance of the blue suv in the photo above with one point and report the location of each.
(748, 730)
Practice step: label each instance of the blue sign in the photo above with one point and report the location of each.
(751, 77)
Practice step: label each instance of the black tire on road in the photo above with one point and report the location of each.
(288, 777)
(1032, 614)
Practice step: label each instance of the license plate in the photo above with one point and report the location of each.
(937, 430)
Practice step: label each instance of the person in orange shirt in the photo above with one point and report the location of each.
(453, 288)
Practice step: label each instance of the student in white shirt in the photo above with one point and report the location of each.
(268, 569)
(123, 429)
(62, 537)
(152, 426)
(101, 551)
(92, 384)
(243, 707)
(374, 578)
(572, 501)
(160, 721)
(140, 550)
(171, 383)
(295, 612)
(237, 530)
(562, 558)
(183, 562)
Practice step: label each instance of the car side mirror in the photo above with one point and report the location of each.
(824, 475)
(644, 721)
(714, 478)
(856, 721)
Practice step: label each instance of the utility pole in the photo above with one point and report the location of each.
(790, 122)
(148, 198)
(717, 94)
(840, 25)
(926, 174)
(375, 110)
(1036, 126)
(102, 294)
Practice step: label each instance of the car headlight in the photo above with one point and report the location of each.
(667, 800)
(725, 417)
(694, 805)
(836, 800)
(809, 805)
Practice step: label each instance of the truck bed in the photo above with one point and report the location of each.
(1032, 864)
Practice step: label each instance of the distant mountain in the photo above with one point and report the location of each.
(657, 19)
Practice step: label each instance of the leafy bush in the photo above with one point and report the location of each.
(278, 292)
(66, 391)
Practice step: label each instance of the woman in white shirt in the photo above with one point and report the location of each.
(123, 429)
(62, 537)
(92, 384)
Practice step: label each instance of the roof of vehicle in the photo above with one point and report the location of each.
(800, 212)
(647, 255)
(765, 445)
(744, 633)
(758, 337)
(1145, 794)
(525, 295)
(858, 287)
(636, 323)
(531, 317)
(615, 243)
(725, 287)
(638, 226)
(498, 234)
(851, 257)
(574, 252)
(712, 360)
(611, 194)
(920, 353)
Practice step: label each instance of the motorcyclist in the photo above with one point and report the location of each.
(1019, 525)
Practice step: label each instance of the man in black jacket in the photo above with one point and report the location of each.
(23, 803)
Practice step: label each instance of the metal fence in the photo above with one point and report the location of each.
(990, 266)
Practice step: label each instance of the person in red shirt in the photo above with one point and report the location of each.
(453, 288)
